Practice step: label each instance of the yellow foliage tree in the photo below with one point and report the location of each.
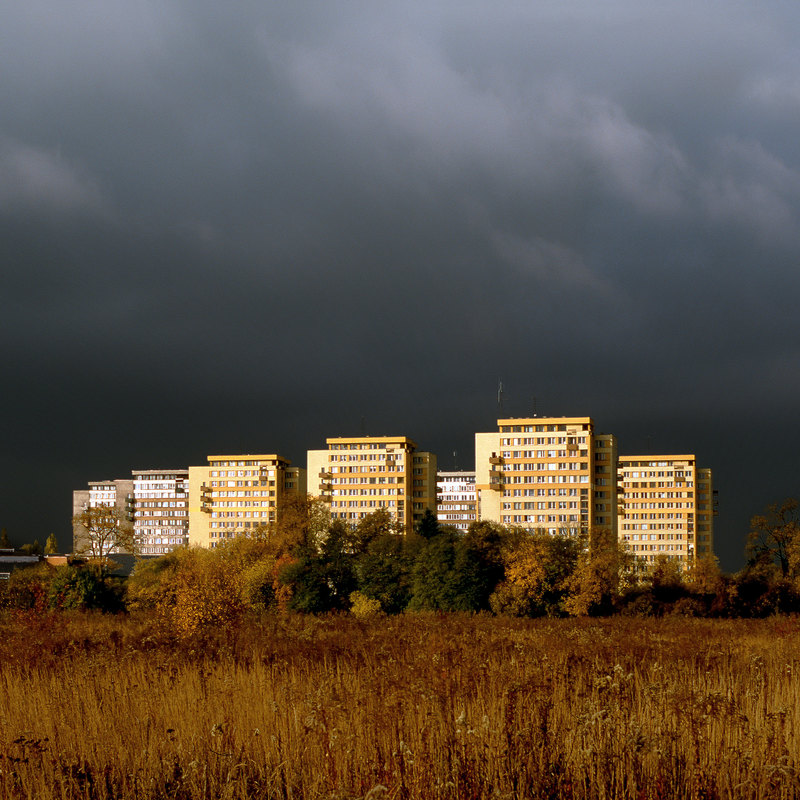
(538, 567)
(602, 569)
(204, 593)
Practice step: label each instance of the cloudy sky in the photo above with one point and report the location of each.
(249, 226)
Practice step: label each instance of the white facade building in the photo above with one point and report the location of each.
(160, 509)
(456, 499)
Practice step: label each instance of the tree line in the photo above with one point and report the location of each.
(310, 563)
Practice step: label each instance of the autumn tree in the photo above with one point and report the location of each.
(5, 544)
(101, 530)
(51, 545)
(538, 568)
(302, 524)
(774, 538)
(598, 579)
(704, 575)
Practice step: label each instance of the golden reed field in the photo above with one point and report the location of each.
(411, 706)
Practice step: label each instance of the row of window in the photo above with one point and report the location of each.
(350, 492)
(552, 479)
(241, 473)
(363, 503)
(542, 466)
(657, 526)
(536, 428)
(245, 493)
(656, 484)
(242, 483)
(373, 457)
(238, 514)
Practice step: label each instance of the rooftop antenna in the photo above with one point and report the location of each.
(455, 460)
(500, 396)
(533, 404)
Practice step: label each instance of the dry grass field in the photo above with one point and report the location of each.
(412, 706)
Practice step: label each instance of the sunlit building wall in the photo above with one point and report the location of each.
(666, 507)
(357, 476)
(233, 495)
(547, 473)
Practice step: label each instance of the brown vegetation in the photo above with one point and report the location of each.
(405, 706)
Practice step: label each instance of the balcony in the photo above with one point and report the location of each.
(493, 459)
(324, 475)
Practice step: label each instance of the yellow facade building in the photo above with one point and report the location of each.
(234, 494)
(356, 476)
(666, 507)
(547, 473)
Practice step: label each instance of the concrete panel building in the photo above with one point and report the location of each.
(160, 507)
(666, 507)
(114, 493)
(234, 494)
(547, 473)
(356, 476)
(456, 499)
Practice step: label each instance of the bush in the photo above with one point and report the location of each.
(364, 607)
(83, 588)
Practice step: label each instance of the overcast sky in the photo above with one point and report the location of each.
(243, 228)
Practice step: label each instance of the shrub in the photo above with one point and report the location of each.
(364, 607)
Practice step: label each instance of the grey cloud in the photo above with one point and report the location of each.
(35, 180)
(265, 222)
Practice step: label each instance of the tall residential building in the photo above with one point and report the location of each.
(234, 494)
(359, 475)
(115, 493)
(456, 499)
(666, 507)
(160, 509)
(548, 473)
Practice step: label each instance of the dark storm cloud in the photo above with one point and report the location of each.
(246, 227)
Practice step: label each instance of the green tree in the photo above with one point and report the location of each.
(305, 576)
(321, 575)
(479, 564)
(434, 582)
(82, 588)
(455, 572)
(51, 545)
(384, 570)
(372, 526)
(428, 526)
